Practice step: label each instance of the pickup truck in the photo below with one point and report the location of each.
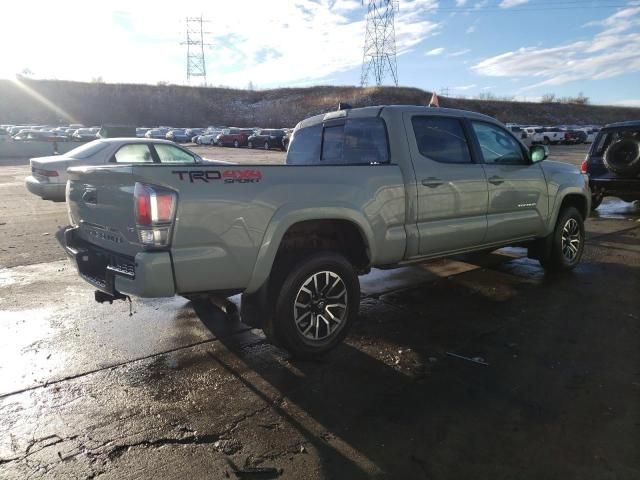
(368, 187)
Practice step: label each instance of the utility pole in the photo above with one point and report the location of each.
(196, 65)
(444, 91)
(379, 58)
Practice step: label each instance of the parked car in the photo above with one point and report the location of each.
(285, 141)
(141, 131)
(86, 134)
(236, 137)
(208, 137)
(192, 133)
(49, 174)
(4, 134)
(521, 134)
(552, 136)
(573, 137)
(613, 163)
(157, 133)
(294, 238)
(40, 136)
(178, 135)
(266, 139)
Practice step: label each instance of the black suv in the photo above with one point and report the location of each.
(267, 139)
(613, 163)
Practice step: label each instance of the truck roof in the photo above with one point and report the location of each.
(630, 123)
(375, 111)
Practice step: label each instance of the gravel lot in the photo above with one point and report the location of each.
(170, 389)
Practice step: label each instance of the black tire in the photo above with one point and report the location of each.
(266, 145)
(554, 259)
(236, 144)
(623, 157)
(596, 200)
(293, 302)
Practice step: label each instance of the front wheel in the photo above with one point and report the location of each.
(316, 304)
(566, 243)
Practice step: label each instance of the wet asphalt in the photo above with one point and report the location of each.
(479, 367)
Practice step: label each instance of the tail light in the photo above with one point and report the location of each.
(584, 166)
(45, 173)
(155, 209)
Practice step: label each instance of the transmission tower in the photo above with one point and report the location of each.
(379, 59)
(196, 66)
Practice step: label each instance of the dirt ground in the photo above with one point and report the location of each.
(476, 367)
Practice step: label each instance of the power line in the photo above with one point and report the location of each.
(379, 57)
(196, 65)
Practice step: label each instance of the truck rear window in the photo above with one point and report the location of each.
(358, 141)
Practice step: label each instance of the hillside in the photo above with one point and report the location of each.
(44, 101)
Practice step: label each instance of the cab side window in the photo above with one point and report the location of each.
(497, 145)
(136, 153)
(441, 139)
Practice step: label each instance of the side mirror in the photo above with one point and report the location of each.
(538, 153)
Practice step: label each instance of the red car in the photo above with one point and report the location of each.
(234, 136)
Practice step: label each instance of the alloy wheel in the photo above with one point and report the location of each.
(320, 306)
(571, 239)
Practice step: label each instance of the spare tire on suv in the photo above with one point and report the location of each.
(623, 157)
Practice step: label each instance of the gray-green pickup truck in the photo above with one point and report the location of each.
(368, 187)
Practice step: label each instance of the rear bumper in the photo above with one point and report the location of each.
(615, 186)
(148, 274)
(47, 191)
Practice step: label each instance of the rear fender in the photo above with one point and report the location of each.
(285, 218)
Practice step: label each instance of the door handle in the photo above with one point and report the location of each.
(432, 182)
(495, 180)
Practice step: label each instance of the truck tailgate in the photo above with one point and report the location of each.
(101, 204)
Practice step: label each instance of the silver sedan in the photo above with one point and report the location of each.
(48, 177)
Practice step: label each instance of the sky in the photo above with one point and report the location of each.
(508, 48)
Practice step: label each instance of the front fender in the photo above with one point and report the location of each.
(288, 216)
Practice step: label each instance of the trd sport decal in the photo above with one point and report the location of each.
(227, 176)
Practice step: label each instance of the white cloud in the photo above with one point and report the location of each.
(465, 87)
(481, 4)
(125, 41)
(614, 51)
(512, 3)
(435, 51)
(460, 3)
(459, 53)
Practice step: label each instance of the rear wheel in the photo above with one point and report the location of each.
(316, 303)
(566, 243)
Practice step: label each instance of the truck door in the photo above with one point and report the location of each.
(518, 197)
(451, 185)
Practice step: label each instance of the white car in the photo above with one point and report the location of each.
(208, 137)
(520, 134)
(48, 178)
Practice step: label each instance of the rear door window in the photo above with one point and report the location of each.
(135, 153)
(610, 137)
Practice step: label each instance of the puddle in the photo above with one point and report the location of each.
(615, 208)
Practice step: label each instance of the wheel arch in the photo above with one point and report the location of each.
(344, 229)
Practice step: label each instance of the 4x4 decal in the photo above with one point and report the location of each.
(226, 176)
